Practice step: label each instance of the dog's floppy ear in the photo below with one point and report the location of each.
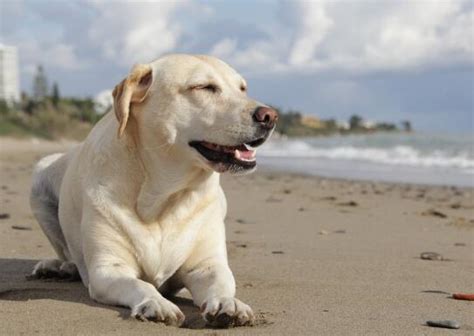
(132, 89)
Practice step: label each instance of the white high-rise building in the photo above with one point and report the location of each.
(9, 81)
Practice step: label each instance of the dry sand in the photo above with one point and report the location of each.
(312, 256)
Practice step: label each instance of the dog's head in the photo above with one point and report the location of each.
(195, 107)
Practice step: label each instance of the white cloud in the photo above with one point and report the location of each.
(314, 27)
(364, 36)
(303, 37)
(124, 33)
(421, 33)
(103, 101)
(36, 46)
(63, 56)
(133, 32)
(224, 48)
(260, 55)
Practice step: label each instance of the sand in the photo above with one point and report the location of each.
(312, 256)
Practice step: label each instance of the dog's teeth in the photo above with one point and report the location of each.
(248, 147)
(237, 154)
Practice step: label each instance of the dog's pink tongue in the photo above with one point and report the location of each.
(244, 154)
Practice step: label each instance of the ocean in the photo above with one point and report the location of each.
(419, 158)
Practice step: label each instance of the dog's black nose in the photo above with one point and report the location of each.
(265, 116)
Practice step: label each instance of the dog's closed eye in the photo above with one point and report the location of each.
(213, 88)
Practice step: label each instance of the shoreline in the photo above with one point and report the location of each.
(277, 170)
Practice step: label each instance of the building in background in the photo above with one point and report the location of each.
(9, 79)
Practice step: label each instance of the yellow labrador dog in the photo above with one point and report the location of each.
(136, 210)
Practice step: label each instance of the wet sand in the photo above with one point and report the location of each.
(312, 256)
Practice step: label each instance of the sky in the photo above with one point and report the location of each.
(384, 60)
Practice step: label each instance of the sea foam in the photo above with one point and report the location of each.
(395, 154)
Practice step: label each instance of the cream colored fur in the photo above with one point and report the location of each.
(135, 208)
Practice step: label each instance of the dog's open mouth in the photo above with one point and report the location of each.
(242, 156)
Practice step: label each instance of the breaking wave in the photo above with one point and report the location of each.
(395, 154)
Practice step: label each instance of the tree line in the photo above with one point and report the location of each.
(295, 123)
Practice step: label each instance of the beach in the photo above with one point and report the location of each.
(310, 255)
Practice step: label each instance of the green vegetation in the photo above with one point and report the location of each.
(293, 123)
(70, 118)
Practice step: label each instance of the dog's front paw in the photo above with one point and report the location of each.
(158, 310)
(224, 312)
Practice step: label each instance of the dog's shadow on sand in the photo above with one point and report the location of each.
(15, 287)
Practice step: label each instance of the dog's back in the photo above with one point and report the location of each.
(44, 198)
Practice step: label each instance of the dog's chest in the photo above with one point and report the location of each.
(170, 242)
(166, 252)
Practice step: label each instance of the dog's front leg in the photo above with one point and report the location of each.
(118, 284)
(212, 286)
(115, 274)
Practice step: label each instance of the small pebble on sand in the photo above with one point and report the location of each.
(4, 216)
(278, 252)
(272, 199)
(431, 256)
(21, 227)
(434, 213)
(323, 232)
(350, 203)
(449, 324)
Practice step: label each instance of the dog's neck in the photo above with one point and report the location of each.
(166, 180)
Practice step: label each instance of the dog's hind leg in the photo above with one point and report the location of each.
(44, 205)
(55, 269)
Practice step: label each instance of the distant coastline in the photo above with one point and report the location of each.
(295, 124)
